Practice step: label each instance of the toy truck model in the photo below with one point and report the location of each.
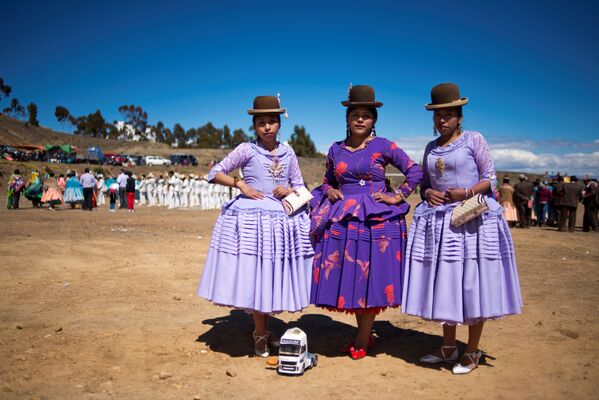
(294, 357)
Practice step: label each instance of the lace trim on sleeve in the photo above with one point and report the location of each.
(483, 159)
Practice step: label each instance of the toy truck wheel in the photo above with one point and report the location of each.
(315, 361)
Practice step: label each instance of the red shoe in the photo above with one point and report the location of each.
(356, 354)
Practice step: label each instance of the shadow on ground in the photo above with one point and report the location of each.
(231, 335)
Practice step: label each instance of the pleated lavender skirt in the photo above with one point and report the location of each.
(460, 275)
(259, 259)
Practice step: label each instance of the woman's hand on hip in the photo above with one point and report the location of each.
(334, 194)
(282, 191)
(250, 192)
(381, 197)
(435, 198)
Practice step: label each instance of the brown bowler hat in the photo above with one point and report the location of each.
(266, 105)
(445, 95)
(361, 95)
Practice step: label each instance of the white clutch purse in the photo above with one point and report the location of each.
(468, 209)
(297, 200)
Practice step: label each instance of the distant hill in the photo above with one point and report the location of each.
(15, 132)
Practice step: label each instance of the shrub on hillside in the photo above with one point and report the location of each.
(99, 170)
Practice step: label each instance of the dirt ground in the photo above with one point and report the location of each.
(98, 305)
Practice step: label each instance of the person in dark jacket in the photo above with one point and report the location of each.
(522, 195)
(589, 200)
(130, 190)
(558, 193)
(572, 193)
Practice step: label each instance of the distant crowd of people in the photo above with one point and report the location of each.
(124, 190)
(551, 202)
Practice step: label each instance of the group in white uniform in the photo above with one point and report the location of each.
(180, 191)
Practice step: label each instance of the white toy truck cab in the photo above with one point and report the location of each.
(294, 357)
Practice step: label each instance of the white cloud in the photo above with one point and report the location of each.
(521, 155)
(527, 155)
(413, 145)
(525, 160)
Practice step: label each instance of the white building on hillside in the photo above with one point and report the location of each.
(127, 132)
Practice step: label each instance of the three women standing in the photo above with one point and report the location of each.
(359, 225)
(466, 274)
(259, 258)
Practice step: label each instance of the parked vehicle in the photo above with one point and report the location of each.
(136, 160)
(183, 159)
(9, 153)
(115, 159)
(94, 155)
(294, 357)
(157, 160)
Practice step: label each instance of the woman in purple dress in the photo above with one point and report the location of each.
(466, 274)
(260, 259)
(358, 224)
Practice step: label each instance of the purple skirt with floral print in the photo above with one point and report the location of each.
(358, 265)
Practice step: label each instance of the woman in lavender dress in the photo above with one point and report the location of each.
(358, 224)
(260, 259)
(466, 274)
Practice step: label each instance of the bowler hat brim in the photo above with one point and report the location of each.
(267, 111)
(348, 103)
(455, 103)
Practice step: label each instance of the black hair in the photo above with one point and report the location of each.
(86, 170)
(17, 172)
(373, 111)
(278, 116)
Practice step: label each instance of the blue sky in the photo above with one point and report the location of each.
(529, 68)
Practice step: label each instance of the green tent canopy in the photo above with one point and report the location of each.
(67, 148)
